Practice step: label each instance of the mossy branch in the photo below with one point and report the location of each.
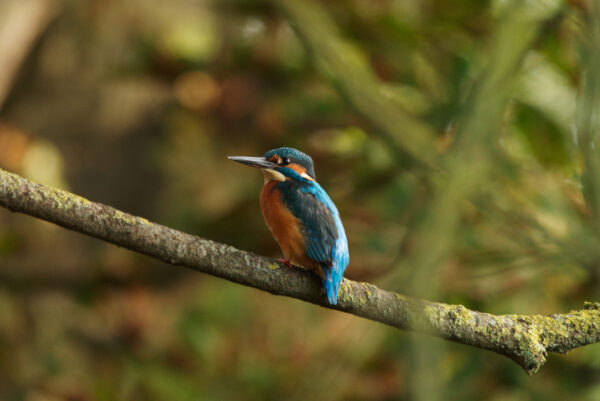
(526, 339)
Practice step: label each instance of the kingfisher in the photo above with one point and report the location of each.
(301, 216)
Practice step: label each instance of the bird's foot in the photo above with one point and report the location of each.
(285, 261)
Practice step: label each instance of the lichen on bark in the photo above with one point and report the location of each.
(526, 339)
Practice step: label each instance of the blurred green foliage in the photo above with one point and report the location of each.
(137, 103)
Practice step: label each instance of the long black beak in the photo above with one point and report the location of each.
(259, 162)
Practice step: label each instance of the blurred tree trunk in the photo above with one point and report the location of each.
(21, 24)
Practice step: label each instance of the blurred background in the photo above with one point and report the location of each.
(137, 103)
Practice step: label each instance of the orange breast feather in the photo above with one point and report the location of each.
(285, 227)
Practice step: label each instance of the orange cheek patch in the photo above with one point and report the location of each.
(297, 168)
(300, 170)
(275, 159)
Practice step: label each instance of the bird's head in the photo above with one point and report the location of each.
(281, 164)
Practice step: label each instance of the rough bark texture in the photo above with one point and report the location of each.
(526, 339)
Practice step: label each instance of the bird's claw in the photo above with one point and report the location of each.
(285, 262)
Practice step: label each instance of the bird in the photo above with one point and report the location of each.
(301, 216)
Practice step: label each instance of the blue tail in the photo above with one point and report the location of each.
(331, 283)
(335, 272)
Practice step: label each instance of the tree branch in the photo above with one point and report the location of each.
(526, 339)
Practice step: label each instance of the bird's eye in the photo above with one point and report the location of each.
(280, 161)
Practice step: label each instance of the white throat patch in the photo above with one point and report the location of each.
(271, 174)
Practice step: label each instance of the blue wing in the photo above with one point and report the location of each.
(319, 228)
(322, 227)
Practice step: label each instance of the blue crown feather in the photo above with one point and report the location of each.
(295, 156)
